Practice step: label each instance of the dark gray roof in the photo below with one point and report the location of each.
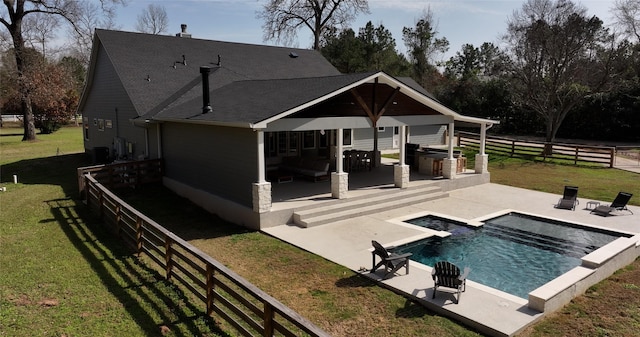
(152, 71)
(256, 100)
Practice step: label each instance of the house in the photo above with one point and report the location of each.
(223, 115)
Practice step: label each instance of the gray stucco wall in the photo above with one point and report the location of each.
(108, 101)
(218, 160)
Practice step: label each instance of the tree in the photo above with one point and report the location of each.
(475, 85)
(55, 89)
(627, 16)
(91, 15)
(12, 17)
(153, 20)
(374, 49)
(283, 18)
(558, 56)
(422, 47)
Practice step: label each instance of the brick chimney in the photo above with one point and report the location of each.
(183, 31)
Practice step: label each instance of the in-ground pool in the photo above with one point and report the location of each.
(514, 253)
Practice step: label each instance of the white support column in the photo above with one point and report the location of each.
(449, 164)
(261, 190)
(261, 161)
(339, 151)
(401, 171)
(482, 159)
(339, 179)
(403, 143)
(483, 138)
(451, 139)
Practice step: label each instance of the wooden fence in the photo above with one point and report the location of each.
(245, 307)
(531, 149)
(126, 174)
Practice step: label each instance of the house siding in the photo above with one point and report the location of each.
(218, 160)
(108, 101)
(425, 135)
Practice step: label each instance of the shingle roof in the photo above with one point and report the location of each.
(256, 100)
(145, 64)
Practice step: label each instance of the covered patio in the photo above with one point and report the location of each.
(365, 102)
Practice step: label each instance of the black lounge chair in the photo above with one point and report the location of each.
(569, 198)
(446, 274)
(390, 261)
(618, 204)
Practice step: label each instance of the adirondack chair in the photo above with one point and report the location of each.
(569, 198)
(390, 261)
(446, 274)
(618, 204)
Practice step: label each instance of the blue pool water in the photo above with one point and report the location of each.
(514, 253)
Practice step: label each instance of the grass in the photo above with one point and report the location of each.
(63, 275)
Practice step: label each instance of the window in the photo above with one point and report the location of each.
(347, 137)
(271, 144)
(381, 129)
(287, 143)
(108, 124)
(101, 124)
(309, 140)
(293, 142)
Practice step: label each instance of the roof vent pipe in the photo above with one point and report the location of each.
(206, 101)
(183, 31)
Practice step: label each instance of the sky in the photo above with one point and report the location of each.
(460, 21)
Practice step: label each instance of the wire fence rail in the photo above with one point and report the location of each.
(575, 153)
(249, 310)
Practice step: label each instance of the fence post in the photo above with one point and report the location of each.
(513, 148)
(268, 320)
(575, 159)
(210, 288)
(612, 157)
(167, 256)
(100, 203)
(85, 188)
(138, 235)
(118, 218)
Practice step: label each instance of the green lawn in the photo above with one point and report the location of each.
(60, 273)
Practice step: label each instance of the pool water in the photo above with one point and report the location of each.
(514, 253)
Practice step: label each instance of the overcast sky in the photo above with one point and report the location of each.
(460, 21)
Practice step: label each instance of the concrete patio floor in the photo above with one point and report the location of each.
(491, 312)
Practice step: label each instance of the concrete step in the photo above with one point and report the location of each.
(374, 203)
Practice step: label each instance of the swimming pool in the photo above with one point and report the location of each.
(514, 253)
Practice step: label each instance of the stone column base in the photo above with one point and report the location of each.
(482, 163)
(339, 185)
(261, 197)
(449, 167)
(401, 175)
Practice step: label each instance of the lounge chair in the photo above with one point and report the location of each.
(618, 204)
(390, 261)
(446, 274)
(569, 198)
